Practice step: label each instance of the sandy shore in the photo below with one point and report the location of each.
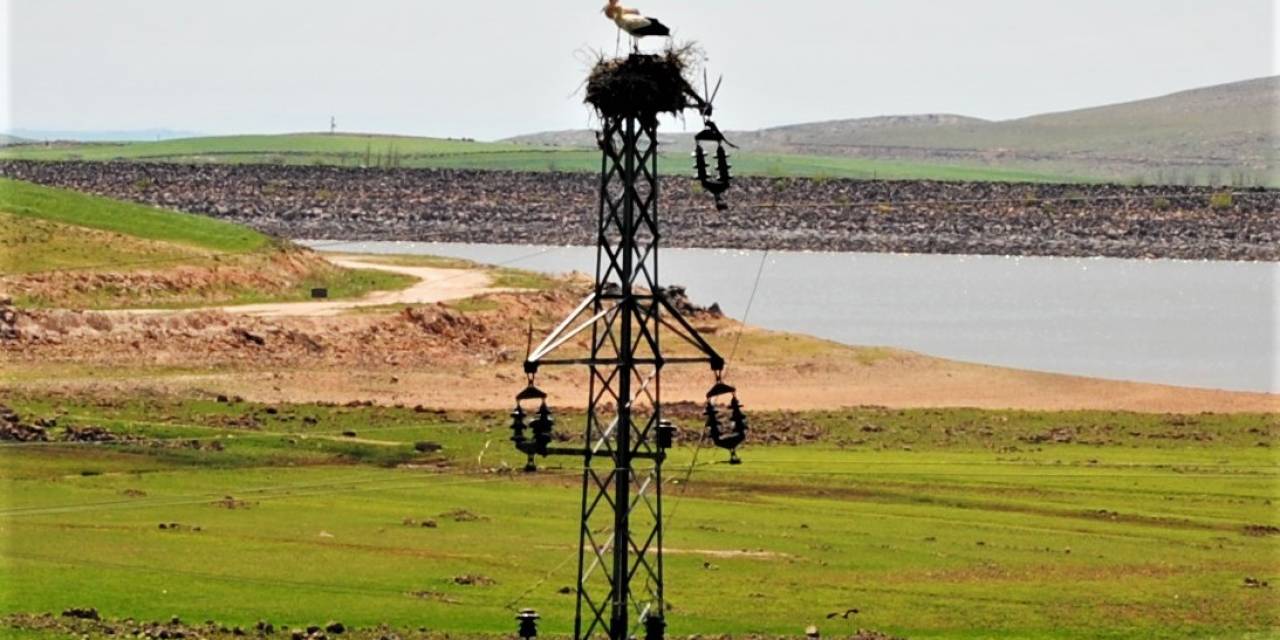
(845, 377)
(420, 352)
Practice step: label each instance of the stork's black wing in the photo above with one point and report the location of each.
(654, 28)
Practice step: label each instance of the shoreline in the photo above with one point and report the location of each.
(335, 245)
(1128, 367)
(872, 216)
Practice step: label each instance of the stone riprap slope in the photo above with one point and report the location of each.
(774, 213)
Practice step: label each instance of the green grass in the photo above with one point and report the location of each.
(45, 231)
(342, 284)
(362, 150)
(353, 283)
(306, 144)
(31, 245)
(932, 523)
(149, 223)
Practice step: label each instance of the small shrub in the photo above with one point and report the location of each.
(99, 322)
(1161, 204)
(1221, 201)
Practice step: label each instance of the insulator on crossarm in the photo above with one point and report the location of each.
(713, 421)
(528, 628)
(542, 429)
(666, 434)
(737, 417)
(700, 164)
(518, 426)
(655, 627)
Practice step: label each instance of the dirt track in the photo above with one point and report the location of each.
(434, 285)
(427, 353)
(438, 357)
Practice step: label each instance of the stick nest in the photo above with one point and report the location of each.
(641, 85)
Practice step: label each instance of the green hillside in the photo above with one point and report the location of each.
(220, 147)
(71, 208)
(352, 150)
(1225, 134)
(60, 248)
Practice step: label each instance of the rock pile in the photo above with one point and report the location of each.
(775, 213)
(8, 319)
(88, 434)
(86, 622)
(13, 429)
(679, 298)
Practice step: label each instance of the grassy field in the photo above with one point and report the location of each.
(364, 150)
(47, 232)
(931, 523)
(138, 221)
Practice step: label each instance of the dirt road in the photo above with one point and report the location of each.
(434, 285)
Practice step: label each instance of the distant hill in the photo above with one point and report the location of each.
(135, 135)
(1226, 133)
(6, 140)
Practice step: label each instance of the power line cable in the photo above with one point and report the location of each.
(702, 438)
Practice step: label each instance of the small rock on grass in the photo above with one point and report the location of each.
(87, 613)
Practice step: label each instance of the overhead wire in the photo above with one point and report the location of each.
(702, 438)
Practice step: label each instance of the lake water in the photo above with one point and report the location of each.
(1199, 324)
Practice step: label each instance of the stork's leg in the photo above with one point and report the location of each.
(617, 43)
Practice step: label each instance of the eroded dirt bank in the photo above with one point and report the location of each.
(783, 213)
(443, 356)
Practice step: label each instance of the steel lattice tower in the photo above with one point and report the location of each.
(620, 569)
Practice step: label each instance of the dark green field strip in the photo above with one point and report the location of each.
(407, 152)
(68, 207)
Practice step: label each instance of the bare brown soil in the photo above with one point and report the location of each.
(209, 279)
(439, 356)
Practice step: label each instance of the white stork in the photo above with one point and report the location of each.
(633, 23)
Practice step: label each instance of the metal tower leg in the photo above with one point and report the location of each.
(620, 568)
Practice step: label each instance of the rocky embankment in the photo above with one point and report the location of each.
(774, 213)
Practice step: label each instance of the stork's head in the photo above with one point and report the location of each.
(612, 9)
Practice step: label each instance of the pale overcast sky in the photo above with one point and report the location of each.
(499, 68)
